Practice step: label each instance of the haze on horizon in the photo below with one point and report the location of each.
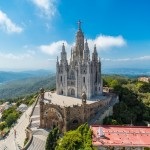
(32, 32)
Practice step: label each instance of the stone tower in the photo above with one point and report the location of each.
(81, 74)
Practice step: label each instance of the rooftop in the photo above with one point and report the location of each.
(104, 135)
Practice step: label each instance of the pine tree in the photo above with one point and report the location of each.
(52, 138)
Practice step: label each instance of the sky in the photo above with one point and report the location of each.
(32, 32)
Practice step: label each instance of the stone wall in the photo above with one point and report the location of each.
(66, 118)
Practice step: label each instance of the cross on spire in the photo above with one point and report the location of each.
(79, 24)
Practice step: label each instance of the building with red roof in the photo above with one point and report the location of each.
(119, 137)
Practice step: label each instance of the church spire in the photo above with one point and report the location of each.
(63, 48)
(86, 51)
(95, 55)
(79, 47)
(79, 25)
(86, 47)
(63, 54)
(95, 50)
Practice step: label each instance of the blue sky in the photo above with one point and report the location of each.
(32, 32)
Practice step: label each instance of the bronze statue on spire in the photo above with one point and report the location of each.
(79, 24)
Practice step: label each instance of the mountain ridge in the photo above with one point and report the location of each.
(6, 76)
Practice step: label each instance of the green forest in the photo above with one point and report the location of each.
(23, 87)
(134, 105)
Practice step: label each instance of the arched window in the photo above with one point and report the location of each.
(96, 77)
(72, 92)
(83, 79)
(72, 75)
(62, 92)
(95, 88)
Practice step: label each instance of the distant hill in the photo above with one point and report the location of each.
(22, 87)
(130, 72)
(16, 84)
(11, 76)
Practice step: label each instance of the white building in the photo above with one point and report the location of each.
(82, 73)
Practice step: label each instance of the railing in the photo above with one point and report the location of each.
(30, 138)
(28, 130)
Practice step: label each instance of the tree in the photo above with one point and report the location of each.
(52, 138)
(2, 125)
(72, 140)
(144, 88)
(11, 118)
(114, 83)
(79, 139)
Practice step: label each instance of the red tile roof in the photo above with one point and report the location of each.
(137, 136)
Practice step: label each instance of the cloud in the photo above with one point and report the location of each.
(7, 25)
(104, 42)
(54, 48)
(12, 56)
(27, 60)
(142, 58)
(46, 7)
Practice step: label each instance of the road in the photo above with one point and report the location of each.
(15, 143)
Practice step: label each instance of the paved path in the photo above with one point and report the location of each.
(39, 140)
(35, 118)
(12, 143)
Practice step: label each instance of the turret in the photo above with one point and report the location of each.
(95, 55)
(86, 55)
(63, 54)
(57, 61)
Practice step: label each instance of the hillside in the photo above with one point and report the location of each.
(11, 76)
(26, 86)
(134, 101)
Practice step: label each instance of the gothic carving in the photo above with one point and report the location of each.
(84, 69)
(61, 69)
(72, 75)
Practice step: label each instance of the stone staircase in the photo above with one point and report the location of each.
(35, 118)
(39, 140)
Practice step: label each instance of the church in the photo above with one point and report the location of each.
(81, 73)
(78, 97)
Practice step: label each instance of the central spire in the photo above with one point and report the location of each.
(79, 47)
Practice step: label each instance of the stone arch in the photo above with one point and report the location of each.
(53, 118)
(75, 122)
(71, 92)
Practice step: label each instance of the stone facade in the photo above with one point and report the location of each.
(70, 117)
(81, 74)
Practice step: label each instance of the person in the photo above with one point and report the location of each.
(15, 133)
